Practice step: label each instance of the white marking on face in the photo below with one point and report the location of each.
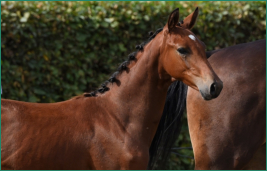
(192, 37)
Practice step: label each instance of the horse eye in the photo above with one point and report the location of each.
(182, 51)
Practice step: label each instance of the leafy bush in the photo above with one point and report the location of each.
(51, 51)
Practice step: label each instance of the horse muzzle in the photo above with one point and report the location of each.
(212, 91)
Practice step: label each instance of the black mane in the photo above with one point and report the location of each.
(169, 126)
(124, 66)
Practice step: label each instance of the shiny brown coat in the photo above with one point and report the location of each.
(230, 132)
(114, 129)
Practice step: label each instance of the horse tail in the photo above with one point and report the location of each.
(169, 126)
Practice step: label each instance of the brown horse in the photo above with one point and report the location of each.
(113, 127)
(230, 131)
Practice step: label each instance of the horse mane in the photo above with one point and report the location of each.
(123, 67)
(170, 125)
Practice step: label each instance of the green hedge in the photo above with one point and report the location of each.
(51, 51)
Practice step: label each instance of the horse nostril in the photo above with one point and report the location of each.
(213, 90)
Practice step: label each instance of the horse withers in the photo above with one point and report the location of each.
(112, 127)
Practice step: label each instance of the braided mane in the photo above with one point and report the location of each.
(123, 67)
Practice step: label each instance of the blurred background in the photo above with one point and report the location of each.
(52, 51)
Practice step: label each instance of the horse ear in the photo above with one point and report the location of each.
(173, 19)
(190, 20)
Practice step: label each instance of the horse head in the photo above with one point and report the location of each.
(183, 57)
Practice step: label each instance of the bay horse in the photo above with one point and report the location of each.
(112, 127)
(228, 132)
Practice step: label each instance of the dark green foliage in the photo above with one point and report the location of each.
(52, 51)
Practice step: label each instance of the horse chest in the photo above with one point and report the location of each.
(120, 158)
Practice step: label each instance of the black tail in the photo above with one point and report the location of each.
(169, 126)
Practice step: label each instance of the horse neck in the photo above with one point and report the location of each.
(140, 96)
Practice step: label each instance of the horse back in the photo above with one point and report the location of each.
(34, 136)
(64, 135)
(244, 50)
